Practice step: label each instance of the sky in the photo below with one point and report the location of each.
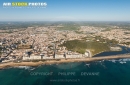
(69, 10)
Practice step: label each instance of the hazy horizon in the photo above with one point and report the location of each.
(69, 10)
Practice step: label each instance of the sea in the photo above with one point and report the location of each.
(104, 72)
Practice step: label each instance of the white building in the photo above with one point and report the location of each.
(33, 57)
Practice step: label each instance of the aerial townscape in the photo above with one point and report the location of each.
(59, 41)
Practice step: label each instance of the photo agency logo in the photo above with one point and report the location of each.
(24, 4)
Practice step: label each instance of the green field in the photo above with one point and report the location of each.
(80, 46)
(93, 45)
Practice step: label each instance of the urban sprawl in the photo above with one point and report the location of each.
(44, 43)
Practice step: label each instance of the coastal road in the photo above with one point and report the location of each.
(13, 64)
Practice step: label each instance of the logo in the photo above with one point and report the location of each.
(25, 4)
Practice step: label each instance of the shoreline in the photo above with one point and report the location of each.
(13, 64)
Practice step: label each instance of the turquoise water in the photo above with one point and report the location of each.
(110, 72)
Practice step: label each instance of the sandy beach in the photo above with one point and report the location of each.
(13, 64)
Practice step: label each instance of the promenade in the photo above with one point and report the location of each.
(54, 61)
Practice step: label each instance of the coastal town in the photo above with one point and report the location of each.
(46, 42)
